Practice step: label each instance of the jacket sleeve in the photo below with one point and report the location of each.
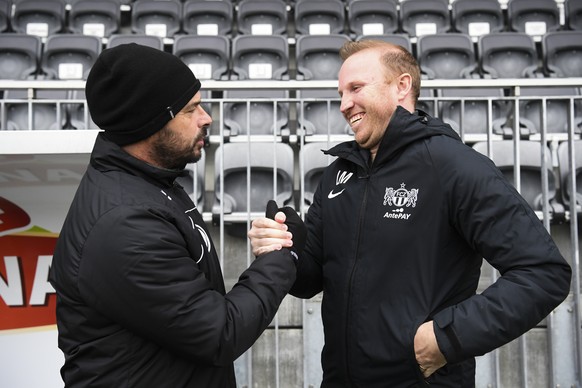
(137, 272)
(499, 224)
(309, 268)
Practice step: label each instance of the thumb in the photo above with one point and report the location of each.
(272, 209)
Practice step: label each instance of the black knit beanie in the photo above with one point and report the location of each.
(133, 91)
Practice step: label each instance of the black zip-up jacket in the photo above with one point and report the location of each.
(400, 241)
(140, 295)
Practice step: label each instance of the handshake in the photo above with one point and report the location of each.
(282, 228)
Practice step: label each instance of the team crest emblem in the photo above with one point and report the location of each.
(400, 197)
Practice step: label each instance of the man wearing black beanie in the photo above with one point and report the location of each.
(141, 300)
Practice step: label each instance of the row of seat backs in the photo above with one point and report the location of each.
(247, 175)
(413, 17)
(441, 56)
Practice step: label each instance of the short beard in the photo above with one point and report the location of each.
(170, 152)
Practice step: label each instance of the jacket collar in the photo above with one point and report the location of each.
(403, 129)
(108, 156)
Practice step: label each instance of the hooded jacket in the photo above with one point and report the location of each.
(400, 241)
(140, 295)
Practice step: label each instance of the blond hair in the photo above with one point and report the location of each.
(397, 60)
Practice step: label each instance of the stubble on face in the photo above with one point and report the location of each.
(171, 151)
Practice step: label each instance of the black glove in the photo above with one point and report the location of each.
(294, 224)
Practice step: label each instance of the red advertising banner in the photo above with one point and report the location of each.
(26, 297)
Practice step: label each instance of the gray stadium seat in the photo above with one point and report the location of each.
(260, 57)
(69, 56)
(530, 168)
(425, 17)
(565, 175)
(573, 14)
(207, 17)
(158, 18)
(47, 112)
(5, 13)
(145, 40)
(321, 17)
(534, 17)
(262, 119)
(477, 18)
(207, 55)
(447, 56)
(262, 17)
(557, 110)
(19, 56)
(471, 119)
(507, 55)
(562, 53)
(372, 17)
(317, 56)
(319, 114)
(101, 18)
(39, 17)
(260, 159)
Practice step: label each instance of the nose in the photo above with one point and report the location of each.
(346, 103)
(205, 118)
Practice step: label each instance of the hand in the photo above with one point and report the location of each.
(426, 350)
(294, 223)
(270, 234)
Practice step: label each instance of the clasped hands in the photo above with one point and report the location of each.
(280, 228)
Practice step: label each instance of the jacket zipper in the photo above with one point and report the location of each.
(353, 271)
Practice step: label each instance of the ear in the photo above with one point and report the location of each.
(404, 86)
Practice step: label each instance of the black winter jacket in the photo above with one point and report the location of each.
(141, 298)
(401, 241)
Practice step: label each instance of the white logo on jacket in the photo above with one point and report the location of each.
(400, 198)
(341, 179)
(203, 235)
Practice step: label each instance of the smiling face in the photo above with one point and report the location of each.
(370, 94)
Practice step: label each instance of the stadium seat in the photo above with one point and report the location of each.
(314, 161)
(262, 17)
(530, 162)
(318, 114)
(207, 17)
(48, 111)
(262, 119)
(194, 183)
(5, 13)
(372, 17)
(425, 17)
(271, 167)
(260, 57)
(39, 17)
(100, 18)
(557, 110)
(466, 110)
(69, 56)
(19, 56)
(533, 17)
(317, 56)
(562, 53)
(145, 40)
(207, 55)
(566, 175)
(507, 55)
(477, 18)
(321, 17)
(447, 56)
(426, 102)
(573, 14)
(399, 39)
(158, 18)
